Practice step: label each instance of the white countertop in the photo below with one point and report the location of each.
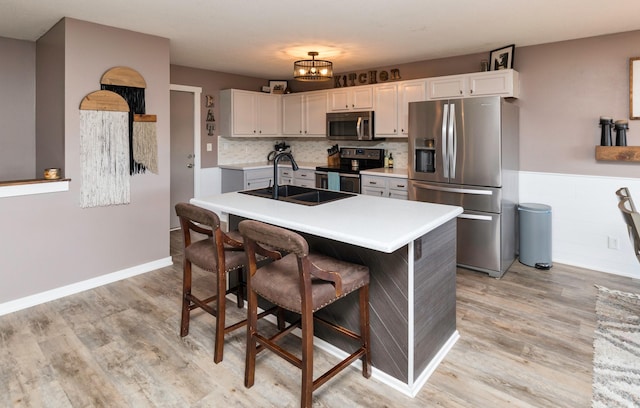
(381, 224)
(394, 172)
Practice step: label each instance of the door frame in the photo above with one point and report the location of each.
(197, 93)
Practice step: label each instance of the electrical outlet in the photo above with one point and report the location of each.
(612, 242)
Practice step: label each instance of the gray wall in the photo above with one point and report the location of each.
(48, 241)
(211, 83)
(17, 109)
(566, 87)
(50, 107)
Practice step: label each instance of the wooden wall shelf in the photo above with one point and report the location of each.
(618, 153)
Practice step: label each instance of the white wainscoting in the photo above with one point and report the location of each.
(210, 182)
(584, 215)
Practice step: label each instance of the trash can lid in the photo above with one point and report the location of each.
(534, 207)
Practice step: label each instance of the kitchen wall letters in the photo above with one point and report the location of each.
(365, 78)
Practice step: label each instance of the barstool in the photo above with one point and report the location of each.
(219, 252)
(303, 283)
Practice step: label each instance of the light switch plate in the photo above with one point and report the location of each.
(209, 147)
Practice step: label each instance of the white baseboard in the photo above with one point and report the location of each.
(53, 294)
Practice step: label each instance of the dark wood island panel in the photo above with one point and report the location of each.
(432, 304)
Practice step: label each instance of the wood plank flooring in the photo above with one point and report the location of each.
(526, 341)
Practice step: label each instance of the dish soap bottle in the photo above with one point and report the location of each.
(386, 161)
(390, 160)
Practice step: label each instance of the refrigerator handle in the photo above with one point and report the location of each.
(445, 155)
(476, 217)
(453, 139)
(426, 186)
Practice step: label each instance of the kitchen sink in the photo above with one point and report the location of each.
(299, 195)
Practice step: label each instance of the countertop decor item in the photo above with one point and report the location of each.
(313, 69)
(615, 364)
(52, 174)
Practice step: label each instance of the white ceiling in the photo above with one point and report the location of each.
(262, 38)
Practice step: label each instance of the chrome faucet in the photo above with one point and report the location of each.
(276, 159)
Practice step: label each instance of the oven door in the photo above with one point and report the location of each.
(348, 182)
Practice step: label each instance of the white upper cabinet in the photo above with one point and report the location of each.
(409, 91)
(502, 83)
(392, 106)
(292, 114)
(351, 99)
(453, 86)
(386, 110)
(249, 114)
(304, 114)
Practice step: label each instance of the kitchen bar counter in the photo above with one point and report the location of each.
(370, 222)
(410, 249)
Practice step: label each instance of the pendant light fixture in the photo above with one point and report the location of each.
(313, 69)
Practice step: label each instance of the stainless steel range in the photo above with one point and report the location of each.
(346, 176)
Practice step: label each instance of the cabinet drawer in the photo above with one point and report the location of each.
(303, 174)
(398, 185)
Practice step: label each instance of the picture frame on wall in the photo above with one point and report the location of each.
(634, 88)
(502, 58)
(278, 86)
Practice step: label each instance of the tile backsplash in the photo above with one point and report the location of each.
(252, 150)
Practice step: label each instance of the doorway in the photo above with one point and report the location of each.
(185, 146)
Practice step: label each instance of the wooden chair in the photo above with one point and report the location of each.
(303, 283)
(218, 252)
(631, 217)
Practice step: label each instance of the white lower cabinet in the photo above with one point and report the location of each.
(381, 186)
(304, 178)
(238, 179)
(285, 176)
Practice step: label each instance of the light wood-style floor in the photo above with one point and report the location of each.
(526, 341)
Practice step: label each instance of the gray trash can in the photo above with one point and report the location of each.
(535, 235)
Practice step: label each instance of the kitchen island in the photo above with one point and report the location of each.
(410, 248)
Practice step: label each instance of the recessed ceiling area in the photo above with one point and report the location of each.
(262, 39)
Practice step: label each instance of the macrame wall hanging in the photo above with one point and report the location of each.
(145, 142)
(129, 84)
(104, 150)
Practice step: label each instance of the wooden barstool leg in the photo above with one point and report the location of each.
(240, 285)
(220, 313)
(186, 302)
(250, 355)
(364, 330)
(307, 358)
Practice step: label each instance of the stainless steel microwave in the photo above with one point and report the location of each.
(350, 125)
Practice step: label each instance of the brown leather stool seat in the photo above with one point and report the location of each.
(218, 252)
(301, 282)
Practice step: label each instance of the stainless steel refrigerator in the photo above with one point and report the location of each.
(465, 152)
